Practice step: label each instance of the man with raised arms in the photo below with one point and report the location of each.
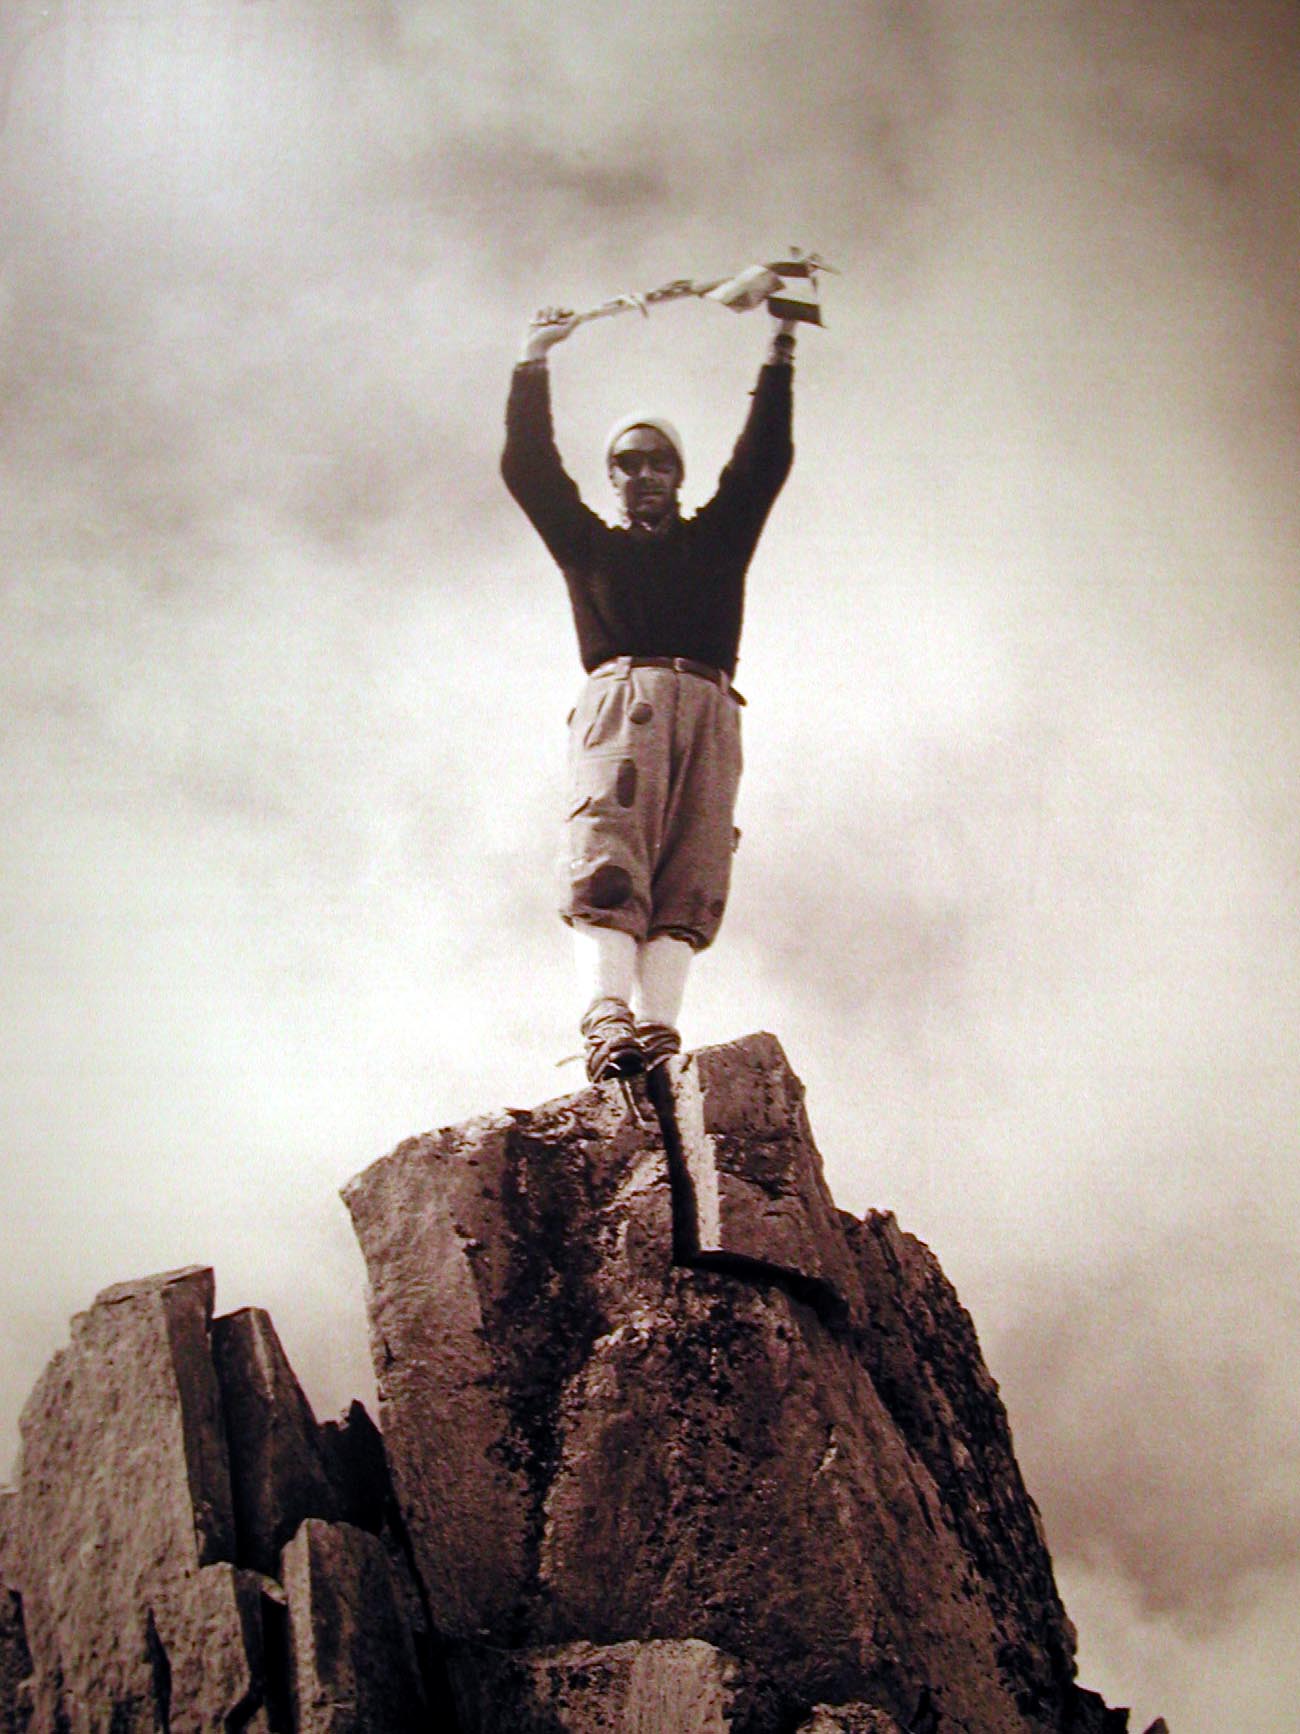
(654, 743)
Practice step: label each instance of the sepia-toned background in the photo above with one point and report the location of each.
(285, 675)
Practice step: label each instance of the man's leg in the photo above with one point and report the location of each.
(606, 960)
(609, 865)
(693, 869)
(664, 966)
(609, 964)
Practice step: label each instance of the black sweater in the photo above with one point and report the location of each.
(678, 593)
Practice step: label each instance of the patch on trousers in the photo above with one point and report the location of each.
(625, 783)
(606, 887)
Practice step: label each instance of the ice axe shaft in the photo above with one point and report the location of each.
(753, 287)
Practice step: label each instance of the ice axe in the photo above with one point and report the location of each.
(788, 286)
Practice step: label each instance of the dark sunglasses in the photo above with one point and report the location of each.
(632, 463)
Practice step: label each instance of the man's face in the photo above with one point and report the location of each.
(646, 475)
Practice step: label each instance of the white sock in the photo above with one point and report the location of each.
(606, 960)
(664, 965)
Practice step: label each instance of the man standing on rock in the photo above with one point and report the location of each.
(654, 743)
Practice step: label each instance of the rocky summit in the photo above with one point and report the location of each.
(667, 1444)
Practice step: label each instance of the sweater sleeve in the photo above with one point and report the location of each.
(534, 473)
(763, 454)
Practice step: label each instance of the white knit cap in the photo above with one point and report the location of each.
(626, 423)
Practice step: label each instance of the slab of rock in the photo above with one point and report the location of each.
(727, 1469)
(924, 1359)
(9, 1536)
(591, 1443)
(850, 1719)
(170, 1465)
(204, 1643)
(125, 1518)
(14, 1662)
(1088, 1713)
(354, 1668)
(278, 1467)
(757, 1189)
(497, 1252)
(353, 1449)
(660, 1687)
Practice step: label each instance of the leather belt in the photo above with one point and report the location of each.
(682, 664)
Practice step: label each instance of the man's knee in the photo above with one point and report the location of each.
(601, 888)
(605, 893)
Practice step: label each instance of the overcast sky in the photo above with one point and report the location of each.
(286, 674)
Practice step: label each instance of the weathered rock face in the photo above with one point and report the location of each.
(15, 1657)
(139, 1553)
(659, 1687)
(126, 1526)
(280, 1472)
(655, 1387)
(676, 1448)
(353, 1660)
(755, 1195)
(496, 1250)
(920, 1348)
(849, 1719)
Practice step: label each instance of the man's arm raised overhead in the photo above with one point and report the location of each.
(764, 452)
(530, 462)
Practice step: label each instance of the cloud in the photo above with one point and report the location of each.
(1158, 1421)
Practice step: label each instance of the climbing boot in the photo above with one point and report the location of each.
(657, 1042)
(612, 1048)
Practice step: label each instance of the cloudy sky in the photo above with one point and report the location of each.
(286, 673)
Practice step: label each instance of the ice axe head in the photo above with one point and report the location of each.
(789, 288)
(796, 298)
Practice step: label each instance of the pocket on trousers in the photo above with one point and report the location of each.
(599, 718)
(602, 785)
